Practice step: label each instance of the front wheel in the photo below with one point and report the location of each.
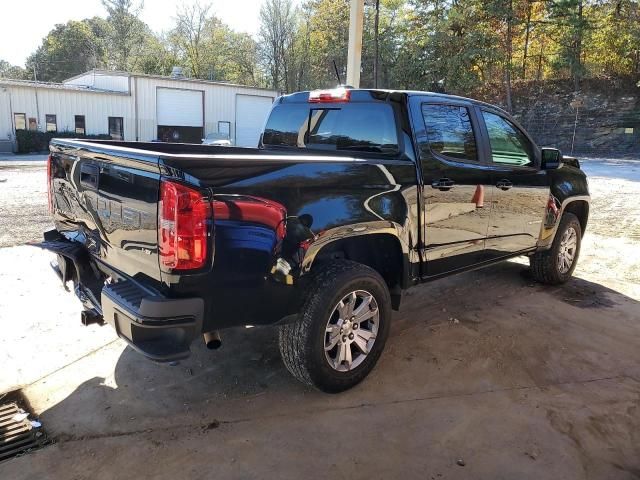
(341, 329)
(556, 265)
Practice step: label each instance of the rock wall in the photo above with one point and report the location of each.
(605, 116)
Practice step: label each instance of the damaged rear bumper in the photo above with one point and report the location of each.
(160, 328)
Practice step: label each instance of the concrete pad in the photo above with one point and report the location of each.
(40, 321)
(516, 379)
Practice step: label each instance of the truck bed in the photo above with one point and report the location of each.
(266, 208)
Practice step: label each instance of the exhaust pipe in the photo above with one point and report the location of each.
(212, 340)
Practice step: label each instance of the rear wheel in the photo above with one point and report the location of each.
(341, 329)
(556, 265)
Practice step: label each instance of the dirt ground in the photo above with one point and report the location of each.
(486, 374)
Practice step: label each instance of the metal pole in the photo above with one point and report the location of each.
(375, 58)
(575, 126)
(35, 92)
(354, 52)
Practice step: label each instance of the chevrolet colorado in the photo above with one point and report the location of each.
(352, 196)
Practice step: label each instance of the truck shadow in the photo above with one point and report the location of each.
(247, 370)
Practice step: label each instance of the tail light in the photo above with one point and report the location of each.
(183, 227)
(335, 95)
(49, 189)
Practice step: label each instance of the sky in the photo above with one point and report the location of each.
(26, 22)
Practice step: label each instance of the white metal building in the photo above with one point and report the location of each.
(134, 107)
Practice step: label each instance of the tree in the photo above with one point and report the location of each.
(613, 47)
(210, 49)
(392, 18)
(189, 36)
(70, 49)
(571, 26)
(127, 32)
(12, 71)
(276, 40)
(157, 56)
(328, 38)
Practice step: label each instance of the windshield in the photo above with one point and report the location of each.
(365, 127)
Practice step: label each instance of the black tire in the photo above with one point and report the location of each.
(545, 265)
(302, 342)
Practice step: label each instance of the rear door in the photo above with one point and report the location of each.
(456, 185)
(520, 189)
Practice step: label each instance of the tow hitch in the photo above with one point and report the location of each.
(88, 317)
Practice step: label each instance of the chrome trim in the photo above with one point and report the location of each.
(356, 230)
(547, 234)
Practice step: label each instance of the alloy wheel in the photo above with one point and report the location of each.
(567, 250)
(351, 330)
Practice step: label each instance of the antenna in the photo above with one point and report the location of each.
(335, 67)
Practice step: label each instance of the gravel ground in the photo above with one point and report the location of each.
(23, 202)
(485, 369)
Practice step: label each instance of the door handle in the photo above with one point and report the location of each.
(444, 184)
(504, 184)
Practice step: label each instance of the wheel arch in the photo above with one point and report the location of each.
(577, 205)
(580, 208)
(380, 249)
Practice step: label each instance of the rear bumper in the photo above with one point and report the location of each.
(160, 328)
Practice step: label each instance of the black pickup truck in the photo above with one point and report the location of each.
(351, 197)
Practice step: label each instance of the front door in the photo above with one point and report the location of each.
(456, 188)
(520, 188)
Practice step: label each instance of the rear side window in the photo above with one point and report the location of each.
(365, 127)
(508, 144)
(449, 131)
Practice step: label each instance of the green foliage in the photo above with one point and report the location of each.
(126, 33)
(459, 47)
(36, 141)
(209, 49)
(70, 49)
(12, 71)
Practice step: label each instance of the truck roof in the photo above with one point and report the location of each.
(303, 96)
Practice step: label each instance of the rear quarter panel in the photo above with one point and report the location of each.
(326, 199)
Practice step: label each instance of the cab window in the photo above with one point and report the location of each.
(363, 127)
(449, 131)
(509, 145)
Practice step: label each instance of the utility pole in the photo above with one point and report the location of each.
(354, 52)
(375, 33)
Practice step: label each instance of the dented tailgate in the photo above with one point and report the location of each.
(108, 202)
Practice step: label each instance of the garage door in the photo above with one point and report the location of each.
(180, 108)
(251, 114)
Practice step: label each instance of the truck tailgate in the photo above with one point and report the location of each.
(109, 203)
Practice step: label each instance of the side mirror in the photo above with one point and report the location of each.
(551, 158)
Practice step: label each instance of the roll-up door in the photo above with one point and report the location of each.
(251, 114)
(180, 115)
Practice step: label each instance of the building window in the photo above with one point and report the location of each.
(50, 121)
(20, 120)
(80, 129)
(33, 123)
(116, 128)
